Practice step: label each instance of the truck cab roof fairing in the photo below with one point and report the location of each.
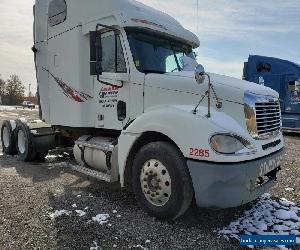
(125, 13)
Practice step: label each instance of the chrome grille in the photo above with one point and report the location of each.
(268, 118)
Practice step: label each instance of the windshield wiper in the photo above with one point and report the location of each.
(149, 71)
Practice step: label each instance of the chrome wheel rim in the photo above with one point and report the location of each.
(6, 137)
(155, 182)
(21, 142)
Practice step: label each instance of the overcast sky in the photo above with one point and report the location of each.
(228, 30)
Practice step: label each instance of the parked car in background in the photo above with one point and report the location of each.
(28, 104)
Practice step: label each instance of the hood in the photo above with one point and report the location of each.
(181, 88)
(220, 81)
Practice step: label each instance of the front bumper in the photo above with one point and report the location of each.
(224, 185)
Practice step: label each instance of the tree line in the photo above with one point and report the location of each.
(12, 91)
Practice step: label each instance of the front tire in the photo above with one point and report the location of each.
(161, 180)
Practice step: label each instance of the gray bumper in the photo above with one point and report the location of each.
(230, 185)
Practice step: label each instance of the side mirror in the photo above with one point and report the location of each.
(200, 74)
(98, 46)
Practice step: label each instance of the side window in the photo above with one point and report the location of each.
(113, 60)
(263, 67)
(112, 55)
(57, 12)
(172, 60)
(294, 87)
(171, 64)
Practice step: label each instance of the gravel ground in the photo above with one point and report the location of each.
(31, 192)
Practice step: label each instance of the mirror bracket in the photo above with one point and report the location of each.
(200, 75)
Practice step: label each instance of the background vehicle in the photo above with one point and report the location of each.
(118, 82)
(282, 76)
(28, 104)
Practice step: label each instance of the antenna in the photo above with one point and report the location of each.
(197, 17)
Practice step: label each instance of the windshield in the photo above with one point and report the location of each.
(156, 54)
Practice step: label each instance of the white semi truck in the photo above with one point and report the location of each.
(118, 81)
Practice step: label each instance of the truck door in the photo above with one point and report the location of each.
(292, 100)
(111, 90)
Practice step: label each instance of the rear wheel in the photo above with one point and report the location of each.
(8, 138)
(24, 146)
(161, 180)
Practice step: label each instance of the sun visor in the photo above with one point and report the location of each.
(160, 22)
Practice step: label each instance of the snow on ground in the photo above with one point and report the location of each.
(55, 157)
(289, 189)
(59, 213)
(101, 218)
(7, 108)
(11, 108)
(95, 246)
(58, 164)
(267, 217)
(80, 213)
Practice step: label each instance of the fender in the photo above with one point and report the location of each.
(183, 127)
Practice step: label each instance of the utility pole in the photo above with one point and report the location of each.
(29, 90)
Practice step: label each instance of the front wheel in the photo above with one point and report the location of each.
(161, 180)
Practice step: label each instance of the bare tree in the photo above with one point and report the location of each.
(2, 89)
(14, 90)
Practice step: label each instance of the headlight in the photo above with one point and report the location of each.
(230, 144)
(250, 115)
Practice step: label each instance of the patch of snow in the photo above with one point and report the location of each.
(74, 205)
(289, 189)
(59, 213)
(58, 164)
(34, 131)
(101, 218)
(86, 208)
(80, 213)
(7, 108)
(283, 214)
(295, 232)
(114, 211)
(114, 246)
(78, 196)
(267, 217)
(147, 241)
(140, 247)
(53, 156)
(286, 203)
(118, 216)
(95, 246)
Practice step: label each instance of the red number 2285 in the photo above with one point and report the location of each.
(204, 153)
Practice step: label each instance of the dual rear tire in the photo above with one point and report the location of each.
(17, 139)
(8, 137)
